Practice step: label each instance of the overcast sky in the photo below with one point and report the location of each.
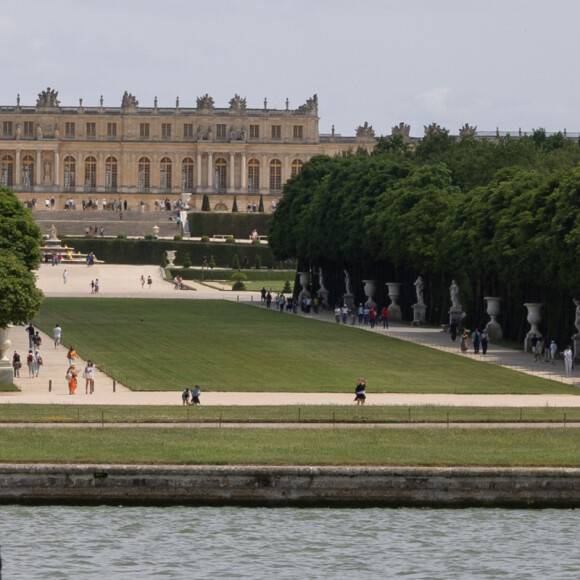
(492, 63)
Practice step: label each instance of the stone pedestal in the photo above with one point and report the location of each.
(6, 372)
(419, 314)
(534, 318)
(184, 224)
(324, 295)
(576, 345)
(493, 327)
(394, 308)
(304, 282)
(348, 299)
(370, 289)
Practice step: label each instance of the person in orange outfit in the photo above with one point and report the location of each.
(71, 377)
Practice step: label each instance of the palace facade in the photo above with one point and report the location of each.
(155, 152)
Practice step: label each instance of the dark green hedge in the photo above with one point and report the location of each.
(240, 225)
(141, 252)
(220, 274)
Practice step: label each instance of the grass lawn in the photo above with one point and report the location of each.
(225, 346)
(15, 413)
(8, 388)
(428, 447)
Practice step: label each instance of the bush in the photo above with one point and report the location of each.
(236, 262)
(121, 236)
(205, 203)
(287, 288)
(255, 241)
(239, 285)
(258, 262)
(187, 261)
(239, 276)
(178, 238)
(212, 262)
(205, 239)
(235, 206)
(148, 237)
(261, 205)
(230, 240)
(163, 261)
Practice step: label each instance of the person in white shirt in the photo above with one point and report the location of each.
(56, 333)
(568, 358)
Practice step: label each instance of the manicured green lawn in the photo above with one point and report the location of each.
(375, 446)
(225, 346)
(281, 414)
(7, 388)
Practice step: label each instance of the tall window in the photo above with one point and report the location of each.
(7, 128)
(90, 173)
(7, 174)
(296, 166)
(144, 174)
(187, 174)
(69, 129)
(254, 131)
(144, 130)
(253, 175)
(188, 130)
(275, 175)
(220, 174)
(28, 128)
(276, 131)
(70, 168)
(297, 132)
(111, 173)
(221, 131)
(28, 171)
(111, 129)
(165, 130)
(91, 130)
(165, 175)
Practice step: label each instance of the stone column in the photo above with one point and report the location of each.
(6, 372)
(198, 168)
(18, 169)
(56, 168)
(232, 172)
(38, 176)
(244, 175)
(210, 170)
(394, 308)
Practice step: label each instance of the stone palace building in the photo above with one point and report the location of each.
(152, 153)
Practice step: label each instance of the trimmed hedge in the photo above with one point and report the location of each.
(239, 225)
(141, 252)
(221, 274)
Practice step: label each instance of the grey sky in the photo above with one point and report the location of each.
(491, 63)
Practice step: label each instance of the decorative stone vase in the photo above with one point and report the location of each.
(6, 373)
(370, 289)
(304, 282)
(493, 327)
(534, 318)
(170, 254)
(185, 197)
(394, 293)
(155, 232)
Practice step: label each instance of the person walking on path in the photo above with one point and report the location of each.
(71, 355)
(475, 339)
(37, 340)
(484, 341)
(92, 285)
(89, 376)
(568, 358)
(30, 363)
(149, 282)
(463, 343)
(195, 395)
(360, 395)
(553, 351)
(64, 277)
(185, 396)
(30, 330)
(385, 316)
(71, 377)
(16, 364)
(37, 362)
(142, 279)
(96, 286)
(538, 351)
(453, 330)
(56, 333)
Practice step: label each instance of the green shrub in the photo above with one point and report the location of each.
(187, 261)
(230, 240)
(163, 260)
(261, 205)
(235, 206)
(258, 262)
(287, 288)
(212, 263)
(255, 241)
(239, 224)
(205, 239)
(239, 285)
(178, 238)
(148, 237)
(236, 262)
(121, 236)
(239, 276)
(205, 203)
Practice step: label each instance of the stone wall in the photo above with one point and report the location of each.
(291, 486)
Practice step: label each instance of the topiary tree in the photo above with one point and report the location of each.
(258, 262)
(205, 203)
(236, 263)
(239, 278)
(261, 204)
(212, 262)
(235, 206)
(287, 288)
(186, 262)
(163, 260)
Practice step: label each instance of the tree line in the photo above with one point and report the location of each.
(499, 216)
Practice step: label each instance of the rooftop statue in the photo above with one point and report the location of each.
(205, 102)
(433, 128)
(467, 131)
(48, 98)
(401, 129)
(311, 106)
(129, 101)
(365, 130)
(237, 103)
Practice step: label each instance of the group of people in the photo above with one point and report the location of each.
(479, 340)
(546, 349)
(72, 373)
(95, 286)
(149, 281)
(191, 394)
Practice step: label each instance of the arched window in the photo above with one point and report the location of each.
(275, 175)
(296, 166)
(111, 174)
(144, 174)
(28, 171)
(220, 174)
(165, 174)
(7, 176)
(187, 174)
(90, 173)
(70, 170)
(253, 175)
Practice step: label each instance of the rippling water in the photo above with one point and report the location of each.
(191, 542)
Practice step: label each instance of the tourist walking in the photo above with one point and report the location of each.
(97, 286)
(149, 282)
(360, 395)
(89, 376)
(185, 396)
(484, 341)
(92, 285)
(568, 359)
(195, 395)
(30, 363)
(71, 377)
(453, 330)
(37, 362)
(71, 355)
(142, 280)
(385, 316)
(30, 330)
(476, 339)
(37, 340)
(64, 277)
(553, 351)
(16, 364)
(463, 343)
(56, 334)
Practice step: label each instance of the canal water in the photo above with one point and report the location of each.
(235, 542)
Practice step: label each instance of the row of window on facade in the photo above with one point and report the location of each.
(165, 173)
(145, 130)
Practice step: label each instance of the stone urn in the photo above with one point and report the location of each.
(304, 282)
(6, 373)
(534, 318)
(155, 232)
(170, 254)
(394, 293)
(370, 289)
(493, 327)
(185, 197)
